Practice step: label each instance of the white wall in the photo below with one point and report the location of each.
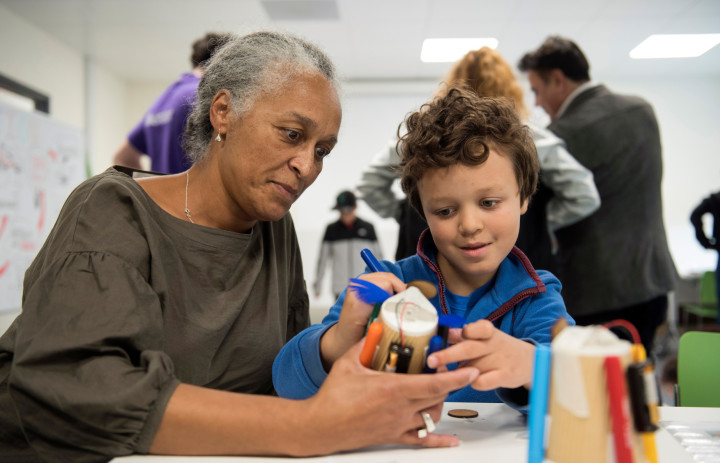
(140, 96)
(33, 58)
(107, 117)
(36, 60)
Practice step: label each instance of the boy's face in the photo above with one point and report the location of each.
(474, 216)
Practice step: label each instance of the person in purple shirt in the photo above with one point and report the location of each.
(159, 133)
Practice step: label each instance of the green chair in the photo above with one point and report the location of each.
(708, 305)
(698, 370)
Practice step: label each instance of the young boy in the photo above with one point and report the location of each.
(469, 167)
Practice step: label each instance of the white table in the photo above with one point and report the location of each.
(497, 435)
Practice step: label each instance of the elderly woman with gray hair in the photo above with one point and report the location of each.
(152, 314)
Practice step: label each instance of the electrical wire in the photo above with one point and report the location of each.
(628, 326)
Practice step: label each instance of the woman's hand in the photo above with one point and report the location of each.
(354, 317)
(358, 407)
(503, 360)
(355, 407)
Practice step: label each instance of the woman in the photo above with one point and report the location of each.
(156, 306)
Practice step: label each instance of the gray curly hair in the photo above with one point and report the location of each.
(248, 66)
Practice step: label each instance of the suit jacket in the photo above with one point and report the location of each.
(618, 256)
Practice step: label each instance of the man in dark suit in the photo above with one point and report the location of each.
(615, 264)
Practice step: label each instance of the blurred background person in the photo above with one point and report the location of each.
(375, 186)
(615, 264)
(342, 243)
(159, 133)
(566, 191)
(709, 205)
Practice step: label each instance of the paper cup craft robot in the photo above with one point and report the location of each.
(397, 340)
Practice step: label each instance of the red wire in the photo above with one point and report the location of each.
(627, 325)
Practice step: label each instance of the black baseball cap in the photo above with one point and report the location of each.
(345, 199)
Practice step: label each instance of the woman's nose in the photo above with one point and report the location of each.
(304, 162)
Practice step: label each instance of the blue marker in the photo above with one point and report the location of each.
(371, 261)
(538, 404)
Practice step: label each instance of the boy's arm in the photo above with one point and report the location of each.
(536, 316)
(301, 366)
(353, 317)
(298, 371)
(503, 360)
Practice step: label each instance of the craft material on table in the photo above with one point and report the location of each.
(409, 321)
(538, 404)
(578, 404)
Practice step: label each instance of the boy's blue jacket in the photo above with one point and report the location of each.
(519, 301)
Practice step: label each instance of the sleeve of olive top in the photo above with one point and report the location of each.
(89, 376)
(299, 310)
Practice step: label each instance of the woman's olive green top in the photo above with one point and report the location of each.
(122, 303)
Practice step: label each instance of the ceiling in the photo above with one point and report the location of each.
(149, 40)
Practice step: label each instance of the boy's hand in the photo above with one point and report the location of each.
(354, 317)
(503, 360)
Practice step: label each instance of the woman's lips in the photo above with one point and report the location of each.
(290, 192)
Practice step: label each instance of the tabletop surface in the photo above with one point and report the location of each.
(498, 434)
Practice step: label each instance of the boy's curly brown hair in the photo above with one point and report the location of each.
(461, 127)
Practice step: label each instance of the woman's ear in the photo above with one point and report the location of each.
(220, 112)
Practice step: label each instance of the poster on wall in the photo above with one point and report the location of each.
(41, 161)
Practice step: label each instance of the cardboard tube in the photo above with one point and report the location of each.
(412, 314)
(581, 429)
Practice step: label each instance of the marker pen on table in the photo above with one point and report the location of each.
(640, 409)
(374, 265)
(371, 341)
(538, 404)
(619, 410)
(642, 390)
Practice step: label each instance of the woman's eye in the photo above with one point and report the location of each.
(292, 134)
(322, 152)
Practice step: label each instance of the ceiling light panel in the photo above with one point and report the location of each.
(449, 50)
(301, 10)
(674, 46)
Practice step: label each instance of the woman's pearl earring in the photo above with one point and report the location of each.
(218, 137)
